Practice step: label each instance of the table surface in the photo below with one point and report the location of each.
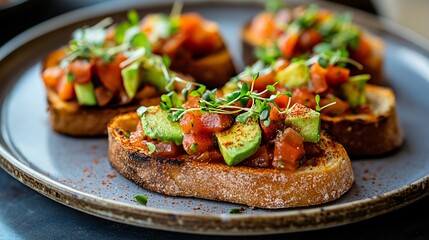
(26, 214)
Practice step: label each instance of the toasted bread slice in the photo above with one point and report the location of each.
(68, 117)
(368, 134)
(330, 178)
(372, 65)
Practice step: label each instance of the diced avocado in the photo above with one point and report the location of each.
(305, 121)
(85, 94)
(131, 78)
(155, 77)
(239, 142)
(354, 92)
(296, 74)
(156, 126)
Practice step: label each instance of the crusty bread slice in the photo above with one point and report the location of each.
(330, 178)
(68, 117)
(368, 134)
(372, 65)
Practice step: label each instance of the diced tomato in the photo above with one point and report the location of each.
(198, 123)
(198, 143)
(173, 44)
(54, 58)
(52, 75)
(211, 156)
(276, 123)
(288, 44)
(262, 158)
(215, 122)
(81, 70)
(162, 149)
(337, 75)
(282, 101)
(363, 50)
(288, 150)
(201, 36)
(192, 102)
(65, 89)
(263, 26)
(339, 108)
(103, 95)
(262, 81)
(309, 38)
(317, 79)
(304, 97)
(191, 122)
(110, 73)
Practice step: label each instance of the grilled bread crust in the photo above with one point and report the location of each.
(368, 134)
(69, 118)
(326, 181)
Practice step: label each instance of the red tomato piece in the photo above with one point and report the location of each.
(262, 158)
(288, 150)
(276, 123)
(215, 122)
(288, 44)
(65, 89)
(191, 122)
(52, 75)
(110, 73)
(198, 143)
(309, 38)
(262, 81)
(363, 50)
(317, 79)
(81, 70)
(304, 97)
(337, 75)
(339, 108)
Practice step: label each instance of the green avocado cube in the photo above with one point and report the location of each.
(131, 78)
(157, 126)
(239, 142)
(294, 75)
(305, 121)
(85, 94)
(354, 92)
(155, 76)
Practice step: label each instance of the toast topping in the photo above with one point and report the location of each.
(244, 127)
(109, 65)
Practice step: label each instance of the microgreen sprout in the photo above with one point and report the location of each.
(318, 108)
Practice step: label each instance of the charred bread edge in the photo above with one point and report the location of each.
(373, 65)
(366, 134)
(264, 188)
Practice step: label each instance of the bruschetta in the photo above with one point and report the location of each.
(305, 30)
(361, 116)
(240, 148)
(110, 69)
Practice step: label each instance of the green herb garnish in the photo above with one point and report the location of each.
(236, 210)
(141, 199)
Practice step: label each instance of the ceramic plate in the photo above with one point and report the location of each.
(76, 171)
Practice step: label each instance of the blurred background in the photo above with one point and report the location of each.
(22, 14)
